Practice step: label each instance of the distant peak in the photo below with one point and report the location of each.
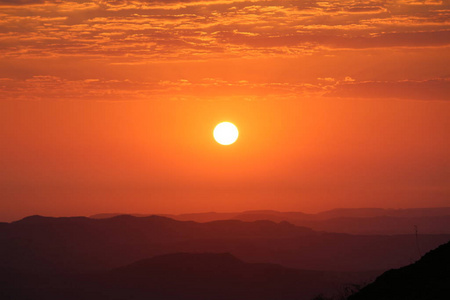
(260, 212)
(112, 215)
(40, 219)
(33, 218)
(134, 217)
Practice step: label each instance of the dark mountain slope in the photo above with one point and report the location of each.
(427, 279)
(181, 276)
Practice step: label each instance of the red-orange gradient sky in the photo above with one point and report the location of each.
(109, 106)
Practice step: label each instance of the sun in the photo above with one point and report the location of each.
(226, 133)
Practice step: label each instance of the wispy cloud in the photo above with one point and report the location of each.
(437, 89)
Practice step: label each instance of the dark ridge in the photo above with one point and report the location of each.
(125, 217)
(209, 276)
(288, 216)
(33, 218)
(258, 227)
(37, 219)
(267, 211)
(350, 212)
(178, 276)
(377, 212)
(191, 261)
(360, 221)
(201, 217)
(426, 279)
(111, 215)
(42, 219)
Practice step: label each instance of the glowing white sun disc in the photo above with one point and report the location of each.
(226, 133)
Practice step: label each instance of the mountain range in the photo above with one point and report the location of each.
(157, 257)
(47, 244)
(373, 221)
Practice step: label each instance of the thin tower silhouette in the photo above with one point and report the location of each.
(416, 230)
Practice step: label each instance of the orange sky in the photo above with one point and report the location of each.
(109, 106)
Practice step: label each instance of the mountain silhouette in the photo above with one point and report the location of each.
(426, 279)
(80, 244)
(372, 221)
(182, 276)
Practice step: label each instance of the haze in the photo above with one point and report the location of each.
(109, 106)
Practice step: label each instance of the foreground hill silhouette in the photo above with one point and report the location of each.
(174, 276)
(221, 276)
(79, 244)
(349, 220)
(427, 279)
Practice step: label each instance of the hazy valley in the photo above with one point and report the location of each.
(132, 257)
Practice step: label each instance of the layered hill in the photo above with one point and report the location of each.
(372, 221)
(79, 244)
(180, 276)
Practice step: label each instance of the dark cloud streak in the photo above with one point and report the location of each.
(437, 89)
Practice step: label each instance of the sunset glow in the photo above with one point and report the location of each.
(109, 106)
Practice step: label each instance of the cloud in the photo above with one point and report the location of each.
(211, 29)
(323, 36)
(437, 89)
(20, 2)
(57, 88)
